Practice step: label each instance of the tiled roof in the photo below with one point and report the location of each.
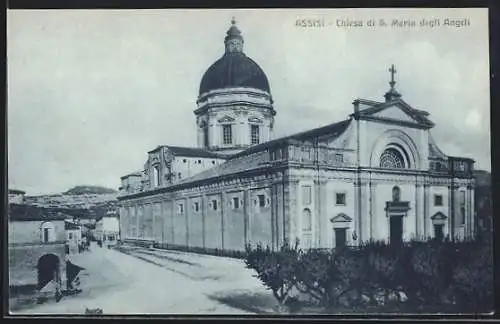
(194, 152)
(334, 129)
(255, 156)
(19, 212)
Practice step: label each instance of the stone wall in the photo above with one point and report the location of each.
(23, 260)
(228, 215)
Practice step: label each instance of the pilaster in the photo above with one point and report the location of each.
(322, 214)
(427, 208)
(364, 233)
(373, 210)
(469, 212)
(162, 215)
(187, 209)
(203, 207)
(357, 211)
(246, 214)
(172, 227)
(223, 203)
(472, 212)
(419, 211)
(137, 222)
(292, 212)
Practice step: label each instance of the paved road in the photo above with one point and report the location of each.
(143, 281)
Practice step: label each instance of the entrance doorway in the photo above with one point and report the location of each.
(48, 270)
(396, 229)
(340, 237)
(439, 232)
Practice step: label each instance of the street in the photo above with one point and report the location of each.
(144, 281)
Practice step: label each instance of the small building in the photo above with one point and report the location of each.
(73, 236)
(16, 196)
(110, 228)
(36, 245)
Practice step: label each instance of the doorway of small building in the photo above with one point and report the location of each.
(396, 229)
(340, 237)
(439, 231)
(48, 270)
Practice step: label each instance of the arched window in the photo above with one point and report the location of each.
(396, 194)
(47, 232)
(392, 159)
(306, 220)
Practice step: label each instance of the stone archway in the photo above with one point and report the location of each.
(48, 267)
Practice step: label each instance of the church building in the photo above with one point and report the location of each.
(376, 175)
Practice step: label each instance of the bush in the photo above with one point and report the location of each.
(314, 275)
(427, 276)
(276, 270)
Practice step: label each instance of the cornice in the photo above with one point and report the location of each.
(392, 121)
(255, 175)
(204, 108)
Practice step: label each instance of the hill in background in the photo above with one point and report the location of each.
(80, 201)
(81, 190)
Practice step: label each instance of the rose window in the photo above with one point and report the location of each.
(392, 159)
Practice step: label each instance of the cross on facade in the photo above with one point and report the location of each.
(393, 71)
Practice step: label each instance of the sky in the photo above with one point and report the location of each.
(91, 91)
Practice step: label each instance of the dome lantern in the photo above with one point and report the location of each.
(233, 41)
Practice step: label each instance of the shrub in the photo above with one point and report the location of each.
(274, 269)
(316, 275)
(434, 276)
(473, 278)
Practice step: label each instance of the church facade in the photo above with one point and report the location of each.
(376, 175)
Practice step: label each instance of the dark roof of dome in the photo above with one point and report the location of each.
(234, 70)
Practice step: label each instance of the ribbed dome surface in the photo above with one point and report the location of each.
(234, 69)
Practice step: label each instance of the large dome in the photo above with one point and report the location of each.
(234, 69)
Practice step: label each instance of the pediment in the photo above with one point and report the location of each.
(439, 216)
(255, 120)
(395, 112)
(341, 218)
(398, 111)
(226, 119)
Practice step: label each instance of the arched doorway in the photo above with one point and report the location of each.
(48, 270)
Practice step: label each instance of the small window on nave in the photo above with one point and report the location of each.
(196, 206)
(340, 199)
(236, 202)
(261, 200)
(438, 200)
(392, 159)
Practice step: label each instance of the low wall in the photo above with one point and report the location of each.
(23, 260)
